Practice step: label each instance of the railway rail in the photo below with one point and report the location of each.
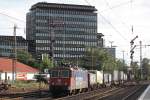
(115, 93)
(34, 94)
(88, 95)
(129, 93)
(136, 93)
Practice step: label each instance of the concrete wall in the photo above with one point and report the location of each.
(19, 76)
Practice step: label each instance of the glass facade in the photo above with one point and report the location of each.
(74, 27)
(7, 45)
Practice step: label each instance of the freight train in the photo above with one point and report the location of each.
(72, 80)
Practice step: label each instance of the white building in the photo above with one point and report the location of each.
(23, 72)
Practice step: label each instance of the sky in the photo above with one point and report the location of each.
(115, 21)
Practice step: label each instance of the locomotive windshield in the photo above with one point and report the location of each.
(64, 73)
(60, 73)
(54, 73)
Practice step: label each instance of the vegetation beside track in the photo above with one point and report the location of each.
(24, 86)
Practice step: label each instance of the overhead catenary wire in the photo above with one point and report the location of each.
(116, 6)
(11, 17)
(113, 27)
(87, 2)
(118, 17)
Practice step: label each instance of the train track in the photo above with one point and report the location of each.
(33, 94)
(136, 93)
(129, 93)
(87, 95)
(115, 93)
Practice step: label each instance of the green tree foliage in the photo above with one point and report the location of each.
(25, 57)
(120, 65)
(90, 60)
(46, 62)
(136, 70)
(146, 68)
(96, 58)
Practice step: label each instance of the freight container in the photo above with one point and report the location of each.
(99, 76)
(121, 76)
(115, 77)
(107, 79)
(92, 78)
(125, 77)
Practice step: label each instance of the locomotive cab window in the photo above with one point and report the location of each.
(64, 73)
(54, 73)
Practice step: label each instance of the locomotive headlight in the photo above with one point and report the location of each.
(48, 81)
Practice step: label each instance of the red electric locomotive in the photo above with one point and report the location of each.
(68, 80)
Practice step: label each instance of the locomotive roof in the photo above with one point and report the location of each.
(69, 68)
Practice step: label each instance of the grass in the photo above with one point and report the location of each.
(24, 85)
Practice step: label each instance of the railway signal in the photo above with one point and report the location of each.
(132, 52)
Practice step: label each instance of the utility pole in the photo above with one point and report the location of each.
(141, 59)
(92, 58)
(64, 44)
(141, 69)
(123, 63)
(111, 42)
(52, 25)
(14, 56)
(52, 39)
(123, 59)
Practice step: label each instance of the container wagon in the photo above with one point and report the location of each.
(115, 77)
(99, 77)
(107, 79)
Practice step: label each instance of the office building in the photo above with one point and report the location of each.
(7, 45)
(61, 30)
(111, 51)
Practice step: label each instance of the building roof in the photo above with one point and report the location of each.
(12, 38)
(6, 66)
(63, 6)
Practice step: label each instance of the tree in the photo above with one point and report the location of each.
(46, 62)
(136, 70)
(146, 68)
(120, 65)
(91, 59)
(100, 59)
(25, 57)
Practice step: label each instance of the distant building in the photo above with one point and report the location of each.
(23, 72)
(100, 40)
(7, 44)
(74, 28)
(111, 51)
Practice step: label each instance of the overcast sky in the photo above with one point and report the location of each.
(115, 19)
